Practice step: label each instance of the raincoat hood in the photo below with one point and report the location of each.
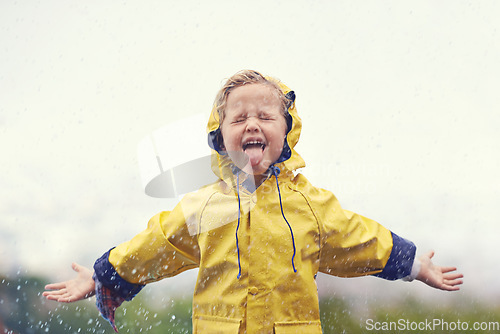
(289, 160)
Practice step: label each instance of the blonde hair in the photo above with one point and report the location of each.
(246, 77)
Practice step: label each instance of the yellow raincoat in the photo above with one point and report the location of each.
(269, 296)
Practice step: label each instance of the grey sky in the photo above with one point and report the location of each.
(399, 102)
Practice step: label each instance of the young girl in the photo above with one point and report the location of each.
(259, 235)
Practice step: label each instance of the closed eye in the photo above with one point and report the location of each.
(239, 120)
(243, 118)
(266, 117)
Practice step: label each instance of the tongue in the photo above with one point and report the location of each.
(255, 154)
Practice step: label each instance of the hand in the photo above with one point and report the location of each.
(72, 290)
(444, 278)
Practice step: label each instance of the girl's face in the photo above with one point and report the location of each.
(254, 128)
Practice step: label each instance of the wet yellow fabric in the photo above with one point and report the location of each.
(269, 297)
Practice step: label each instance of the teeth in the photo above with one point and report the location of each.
(253, 143)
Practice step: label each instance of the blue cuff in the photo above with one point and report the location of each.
(107, 275)
(401, 259)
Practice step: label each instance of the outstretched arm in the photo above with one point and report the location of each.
(78, 288)
(444, 278)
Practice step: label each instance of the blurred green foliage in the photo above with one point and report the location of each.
(23, 310)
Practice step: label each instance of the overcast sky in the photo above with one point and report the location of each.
(399, 102)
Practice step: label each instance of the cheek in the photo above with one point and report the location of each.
(281, 134)
(230, 138)
(277, 142)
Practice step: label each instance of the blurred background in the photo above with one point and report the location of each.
(400, 109)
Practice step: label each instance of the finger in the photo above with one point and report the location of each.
(50, 297)
(55, 286)
(76, 267)
(448, 269)
(450, 288)
(453, 282)
(430, 254)
(47, 295)
(55, 292)
(53, 297)
(68, 299)
(452, 276)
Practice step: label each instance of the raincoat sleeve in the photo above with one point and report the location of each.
(352, 245)
(164, 249)
(401, 261)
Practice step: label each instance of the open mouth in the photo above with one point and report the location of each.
(254, 145)
(254, 149)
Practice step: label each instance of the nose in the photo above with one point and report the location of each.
(252, 124)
